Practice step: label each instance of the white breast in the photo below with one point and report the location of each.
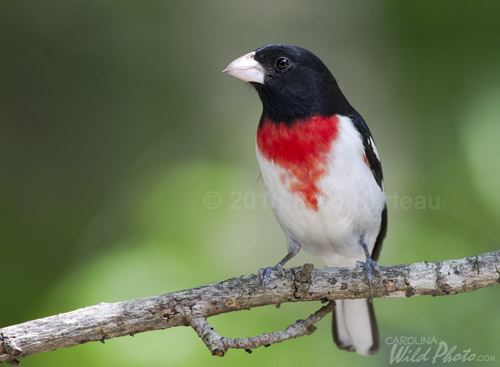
(350, 202)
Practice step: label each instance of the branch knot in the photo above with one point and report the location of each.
(302, 280)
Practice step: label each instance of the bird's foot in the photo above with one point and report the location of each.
(368, 265)
(264, 274)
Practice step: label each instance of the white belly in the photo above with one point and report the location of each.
(349, 201)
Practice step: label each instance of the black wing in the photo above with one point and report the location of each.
(370, 150)
(376, 168)
(381, 235)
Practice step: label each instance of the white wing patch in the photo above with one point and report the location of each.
(374, 148)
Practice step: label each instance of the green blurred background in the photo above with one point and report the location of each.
(116, 121)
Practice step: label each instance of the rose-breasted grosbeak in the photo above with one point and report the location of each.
(322, 173)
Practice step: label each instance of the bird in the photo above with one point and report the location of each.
(322, 174)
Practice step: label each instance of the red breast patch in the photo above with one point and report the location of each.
(301, 149)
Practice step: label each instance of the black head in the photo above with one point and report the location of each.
(292, 83)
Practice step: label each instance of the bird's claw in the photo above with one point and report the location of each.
(264, 274)
(368, 265)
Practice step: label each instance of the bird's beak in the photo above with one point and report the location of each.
(246, 68)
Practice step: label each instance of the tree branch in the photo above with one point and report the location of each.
(191, 307)
(219, 345)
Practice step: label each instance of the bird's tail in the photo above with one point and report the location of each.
(354, 327)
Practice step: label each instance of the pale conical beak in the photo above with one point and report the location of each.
(246, 68)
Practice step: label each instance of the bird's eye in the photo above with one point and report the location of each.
(283, 63)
